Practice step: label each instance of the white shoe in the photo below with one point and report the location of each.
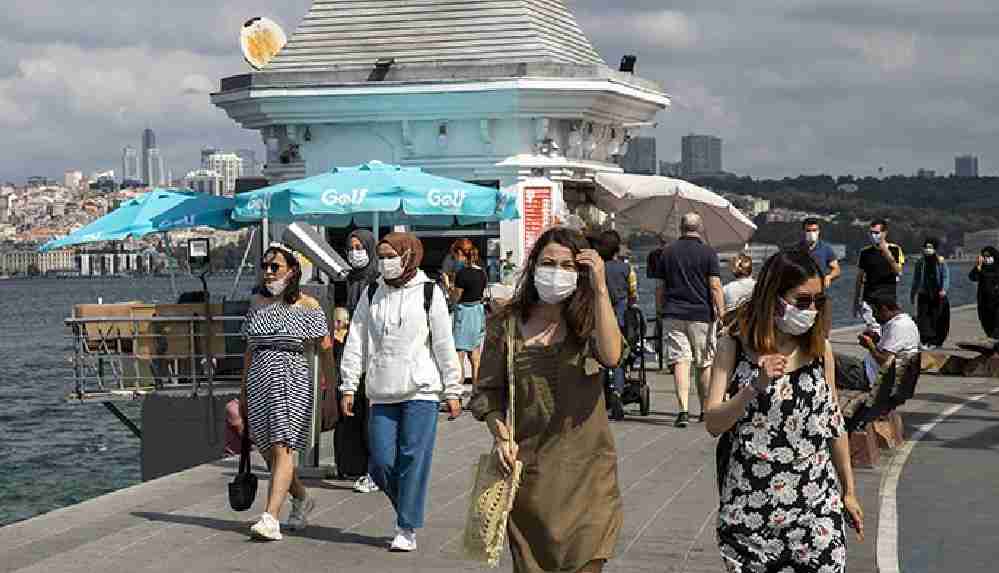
(405, 541)
(300, 510)
(365, 484)
(267, 529)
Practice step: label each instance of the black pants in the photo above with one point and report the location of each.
(933, 318)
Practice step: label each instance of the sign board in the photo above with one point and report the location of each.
(198, 254)
(537, 215)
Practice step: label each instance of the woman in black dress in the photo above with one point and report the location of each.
(986, 274)
(785, 479)
(930, 285)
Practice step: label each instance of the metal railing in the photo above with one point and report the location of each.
(120, 357)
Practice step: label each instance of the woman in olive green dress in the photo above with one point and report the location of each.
(567, 514)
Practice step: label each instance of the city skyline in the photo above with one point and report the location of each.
(893, 86)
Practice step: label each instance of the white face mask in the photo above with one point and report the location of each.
(876, 238)
(811, 237)
(554, 285)
(358, 258)
(795, 321)
(929, 250)
(988, 260)
(390, 268)
(277, 287)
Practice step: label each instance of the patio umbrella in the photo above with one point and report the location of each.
(656, 204)
(157, 211)
(374, 194)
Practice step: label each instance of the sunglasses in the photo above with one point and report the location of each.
(272, 267)
(805, 301)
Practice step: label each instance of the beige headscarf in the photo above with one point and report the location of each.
(405, 243)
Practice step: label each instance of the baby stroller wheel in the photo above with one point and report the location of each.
(644, 400)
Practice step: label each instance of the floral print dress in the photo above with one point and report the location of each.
(781, 509)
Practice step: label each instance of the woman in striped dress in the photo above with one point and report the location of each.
(277, 388)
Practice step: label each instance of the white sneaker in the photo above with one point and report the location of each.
(405, 541)
(300, 510)
(267, 529)
(365, 484)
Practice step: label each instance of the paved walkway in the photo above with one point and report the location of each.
(183, 523)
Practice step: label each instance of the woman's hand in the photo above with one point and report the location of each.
(506, 451)
(772, 367)
(453, 409)
(855, 515)
(979, 262)
(590, 259)
(347, 405)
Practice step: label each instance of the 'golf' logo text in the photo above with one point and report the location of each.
(334, 198)
(451, 200)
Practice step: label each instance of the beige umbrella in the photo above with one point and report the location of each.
(656, 204)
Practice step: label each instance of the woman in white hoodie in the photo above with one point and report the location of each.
(407, 352)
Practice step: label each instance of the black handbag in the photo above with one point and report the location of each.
(243, 488)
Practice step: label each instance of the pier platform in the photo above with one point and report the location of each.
(182, 522)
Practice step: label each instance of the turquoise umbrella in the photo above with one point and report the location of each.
(157, 211)
(376, 193)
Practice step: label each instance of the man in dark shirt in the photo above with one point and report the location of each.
(878, 270)
(820, 250)
(691, 300)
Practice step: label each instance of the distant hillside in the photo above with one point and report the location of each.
(944, 207)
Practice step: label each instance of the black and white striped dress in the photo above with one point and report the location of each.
(278, 387)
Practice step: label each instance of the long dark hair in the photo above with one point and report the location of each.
(755, 318)
(579, 309)
(292, 292)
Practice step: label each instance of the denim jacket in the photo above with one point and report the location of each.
(943, 277)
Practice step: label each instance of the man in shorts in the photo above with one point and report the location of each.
(691, 300)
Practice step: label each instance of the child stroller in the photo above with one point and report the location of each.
(636, 386)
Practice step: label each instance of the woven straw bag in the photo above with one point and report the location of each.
(493, 494)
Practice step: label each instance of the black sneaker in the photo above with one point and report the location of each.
(700, 418)
(681, 420)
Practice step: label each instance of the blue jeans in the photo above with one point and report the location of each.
(401, 439)
(616, 375)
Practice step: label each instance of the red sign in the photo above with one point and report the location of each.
(537, 216)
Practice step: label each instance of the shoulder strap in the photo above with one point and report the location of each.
(510, 376)
(428, 297)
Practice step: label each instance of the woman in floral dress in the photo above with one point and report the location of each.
(786, 484)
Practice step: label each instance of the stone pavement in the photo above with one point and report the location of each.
(182, 522)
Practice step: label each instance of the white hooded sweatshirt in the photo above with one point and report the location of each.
(389, 340)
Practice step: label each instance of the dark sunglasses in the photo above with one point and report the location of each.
(272, 267)
(805, 301)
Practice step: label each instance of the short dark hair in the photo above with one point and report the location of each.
(608, 244)
(884, 297)
(882, 222)
(811, 221)
(932, 241)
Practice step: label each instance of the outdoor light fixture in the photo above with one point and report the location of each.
(381, 69)
(628, 63)
(442, 135)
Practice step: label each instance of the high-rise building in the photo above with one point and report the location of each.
(701, 155)
(641, 156)
(671, 168)
(207, 152)
(130, 164)
(227, 165)
(249, 158)
(156, 175)
(148, 143)
(72, 179)
(204, 181)
(966, 166)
